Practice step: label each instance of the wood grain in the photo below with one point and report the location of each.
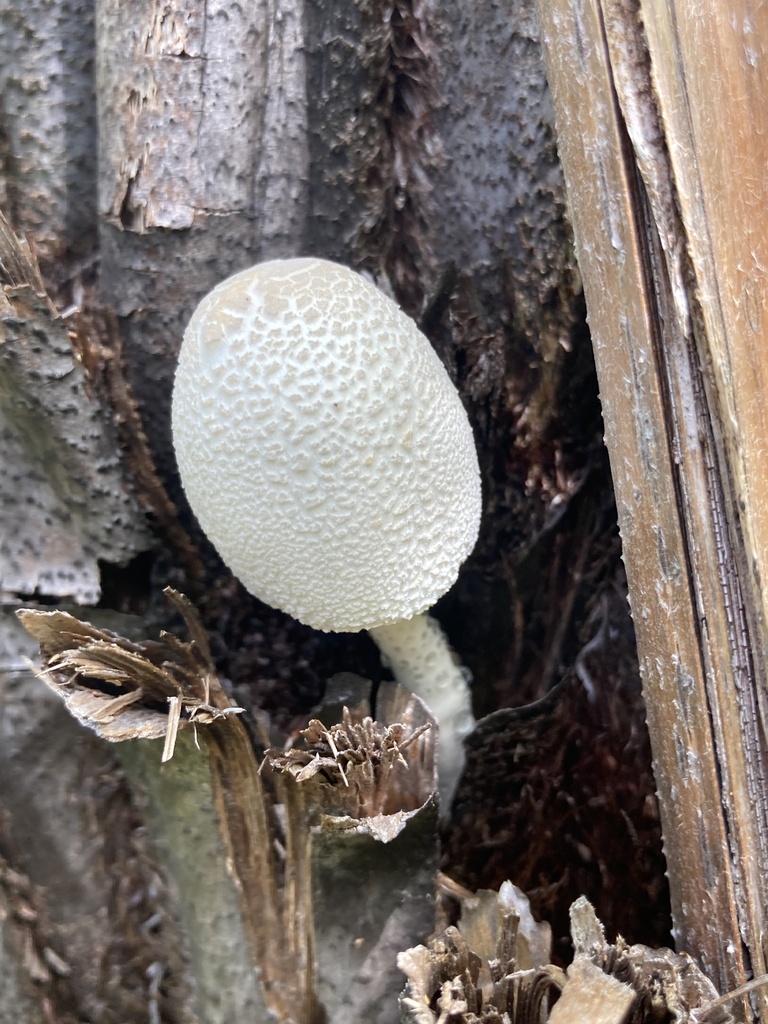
(661, 129)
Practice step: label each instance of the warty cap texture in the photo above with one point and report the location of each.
(323, 447)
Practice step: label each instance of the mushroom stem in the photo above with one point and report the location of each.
(417, 652)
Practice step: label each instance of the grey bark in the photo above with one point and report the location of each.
(48, 126)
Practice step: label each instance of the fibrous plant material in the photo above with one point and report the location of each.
(393, 143)
(333, 846)
(128, 690)
(557, 794)
(507, 978)
(361, 814)
(462, 978)
(365, 769)
(661, 173)
(123, 689)
(666, 986)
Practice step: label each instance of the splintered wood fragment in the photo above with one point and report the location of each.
(197, 632)
(493, 967)
(671, 981)
(587, 932)
(18, 266)
(168, 686)
(361, 850)
(708, 1013)
(590, 995)
(113, 707)
(360, 769)
(501, 926)
(172, 729)
(85, 665)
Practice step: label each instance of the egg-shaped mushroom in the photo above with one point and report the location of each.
(327, 455)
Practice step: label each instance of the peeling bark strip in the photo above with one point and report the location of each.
(168, 156)
(666, 175)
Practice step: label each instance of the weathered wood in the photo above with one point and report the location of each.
(202, 167)
(659, 109)
(591, 995)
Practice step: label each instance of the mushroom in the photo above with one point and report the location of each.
(328, 457)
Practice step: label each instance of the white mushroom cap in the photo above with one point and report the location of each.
(323, 447)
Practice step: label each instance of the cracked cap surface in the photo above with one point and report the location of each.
(323, 447)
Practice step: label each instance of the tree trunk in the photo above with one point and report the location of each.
(412, 142)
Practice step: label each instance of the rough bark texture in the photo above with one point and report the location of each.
(48, 128)
(414, 143)
(65, 503)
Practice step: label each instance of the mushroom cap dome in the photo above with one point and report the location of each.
(323, 447)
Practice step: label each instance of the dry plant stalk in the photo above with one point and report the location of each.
(361, 821)
(122, 689)
(364, 769)
(498, 971)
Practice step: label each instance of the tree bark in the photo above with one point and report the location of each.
(414, 143)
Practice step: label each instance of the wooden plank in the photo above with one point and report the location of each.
(711, 77)
(674, 292)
